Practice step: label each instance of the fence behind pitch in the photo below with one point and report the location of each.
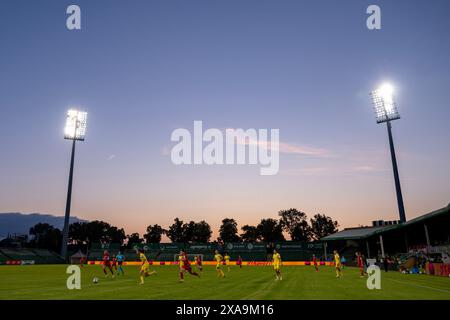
(289, 250)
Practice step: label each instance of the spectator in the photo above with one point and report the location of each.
(364, 260)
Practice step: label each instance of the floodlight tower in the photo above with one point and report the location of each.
(386, 111)
(74, 130)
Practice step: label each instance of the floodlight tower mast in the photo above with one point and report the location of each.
(386, 111)
(74, 130)
(398, 188)
(68, 203)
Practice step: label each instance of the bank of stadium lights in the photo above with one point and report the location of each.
(386, 111)
(74, 130)
(384, 103)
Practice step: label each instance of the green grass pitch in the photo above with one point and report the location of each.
(302, 282)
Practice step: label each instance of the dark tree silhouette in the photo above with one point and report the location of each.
(154, 234)
(292, 221)
(270, 230)
(295, 223)
(133, 239)
(189, 230)
(46, 236)
(78, 233)
(176, 232)
(115, 235)
(250, 234)
(228, 231)
(95, 231)
(322, 226)
(202, 232)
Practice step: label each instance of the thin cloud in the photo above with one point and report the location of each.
(312, 171)
(365, 169)
(333, 170)
(283, 147)
(288, 148)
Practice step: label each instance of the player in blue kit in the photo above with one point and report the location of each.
(120, 259)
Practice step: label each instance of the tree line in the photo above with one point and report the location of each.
(291, 222)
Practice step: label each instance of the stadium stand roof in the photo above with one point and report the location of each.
(365, 232)
(353, 233)
(433, 214)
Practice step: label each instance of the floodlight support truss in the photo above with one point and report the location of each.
(398, 189)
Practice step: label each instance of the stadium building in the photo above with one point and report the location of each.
(428, 233)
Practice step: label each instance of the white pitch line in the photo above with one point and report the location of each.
(420, 286)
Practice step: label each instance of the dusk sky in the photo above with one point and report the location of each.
(144, 68)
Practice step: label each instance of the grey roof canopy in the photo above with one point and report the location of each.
(365, 232)
(353, 233)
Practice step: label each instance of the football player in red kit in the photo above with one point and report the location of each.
(239, 262)
(199, 263)
(360, 264)
(106, 263)
(185, 265)
(114, 263)
(315, 262)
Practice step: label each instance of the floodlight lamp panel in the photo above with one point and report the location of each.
(384, 104)
(75, 128)
(386, 91)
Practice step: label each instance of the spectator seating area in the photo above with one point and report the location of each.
(39, 256)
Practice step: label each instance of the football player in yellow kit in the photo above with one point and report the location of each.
(144, 272)
(337, 264)
(219, 260)
(227, 261)
(276, 262)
